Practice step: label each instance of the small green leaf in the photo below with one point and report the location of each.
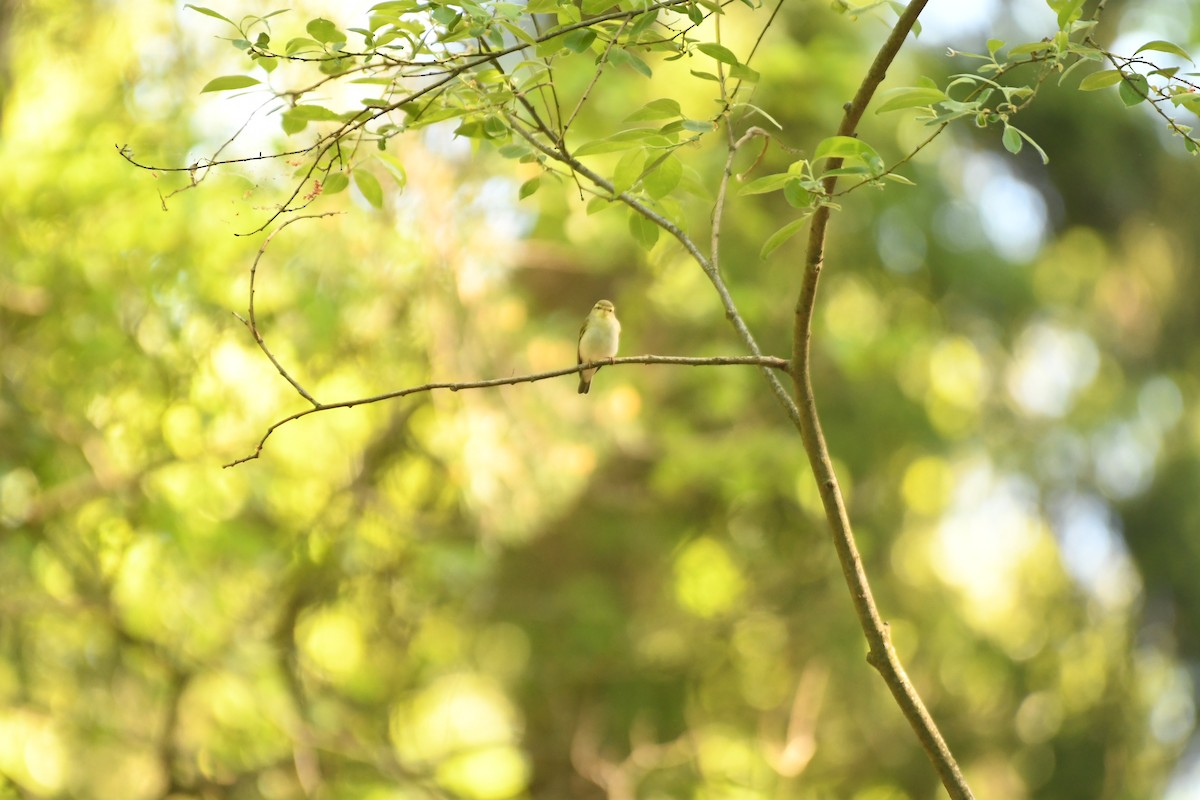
(743, 73)
(993, 45)
(839, 147)
(529, 187)
(1134, 89)
(1160, 46)
(208, 12)
(717, 51)
(227, 82)
(909, 97)
(664, 108)
(796, 195)
(782, 235)
(628, 59)
(767, 183)
(1012, 140)
(1099, 80)
(664, 178)
(706, 76)
(596, 146)
(1027, 138)
(1069, 11)
(334, 183)
(301, 44)
(579, 40)
(699, 125)
(643, 230)
(368, 184)
(395, 167)
(849, 147)
(292, 124)
(628, 170)
(314, 113)
(514, 150)
(324, 31)
(597, 204)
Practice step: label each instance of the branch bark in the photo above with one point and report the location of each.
(765, 362)
(881, 655)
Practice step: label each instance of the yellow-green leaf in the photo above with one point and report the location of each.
(1099, 80)
(1160, 46)
(227, 82)
(368, 184)
(782, 235)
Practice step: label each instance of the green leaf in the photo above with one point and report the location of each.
(208, 12)
(707, 76)
(664, 178)
(897, 178)
(291, 124)
(1068, 11)
(663, 108)
(324, 31)
(699, 125)
(767, 183)
(1012, 140)
(393, 166)
(993, 45)
(1028, 138)
(1160, 46)
(334, 183)
(1029, 48)
(643, 230)
(717, 51)
(849, 147)
(782, 235)
(1099, 80)
(314, 113)
(368, 184)
(227, 82)
(1134, 89)
(597, 204)
(909, 97)
(743, 73)
(796, 195)
(623, 140)
(628, 170)
(301, 44)
(579, 40)
(529, 187)
(627, 59)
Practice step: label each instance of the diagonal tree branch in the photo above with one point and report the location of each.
(882, 655)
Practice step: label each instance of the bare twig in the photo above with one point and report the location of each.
(882, 655)
(252, 322)
(766, 362)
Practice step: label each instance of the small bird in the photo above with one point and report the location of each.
(597, 340)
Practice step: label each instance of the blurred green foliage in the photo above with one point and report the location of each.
(521, 592)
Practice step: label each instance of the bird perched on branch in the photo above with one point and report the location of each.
(598, 340)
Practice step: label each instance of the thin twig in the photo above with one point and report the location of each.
(766, 362)
(881, 655)
(252, 322)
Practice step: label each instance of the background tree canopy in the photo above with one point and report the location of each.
(523, 592)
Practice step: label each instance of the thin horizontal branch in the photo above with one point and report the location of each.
(769, 362)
